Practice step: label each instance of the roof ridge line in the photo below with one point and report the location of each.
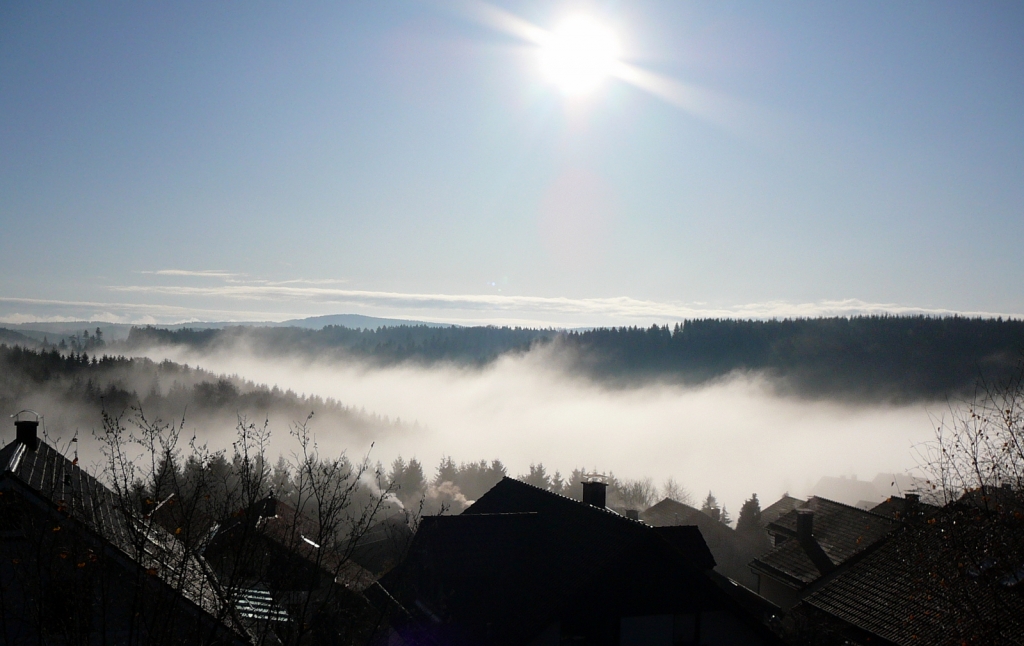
(843, 504)
(605, 509)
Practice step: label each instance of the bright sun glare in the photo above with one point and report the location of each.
(579, 55)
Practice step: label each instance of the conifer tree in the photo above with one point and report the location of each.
(538, 476)
(725, 518)
(711, 508)
(750, 515)
(447, 471)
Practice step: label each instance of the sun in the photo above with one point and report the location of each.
(578, 55)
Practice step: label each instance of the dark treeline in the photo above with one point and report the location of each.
(455, 485)
(82, 386)
(871, 358)
(385, 345)
(877, 357)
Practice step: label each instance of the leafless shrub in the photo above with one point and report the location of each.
(285, 535)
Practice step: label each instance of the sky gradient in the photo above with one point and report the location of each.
(204, 161)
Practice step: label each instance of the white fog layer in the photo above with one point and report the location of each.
(734, 438)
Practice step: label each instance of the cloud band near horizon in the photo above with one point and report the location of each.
(278, 302)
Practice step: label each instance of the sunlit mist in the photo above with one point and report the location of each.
(734, 437)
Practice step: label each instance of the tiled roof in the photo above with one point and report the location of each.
(295, 532)
(841, 532)
(917, 589)
(669, 513)
(672, 512)
(897, 508)
(780, 507)
(732, 550)
(69, 488)
(74, 493)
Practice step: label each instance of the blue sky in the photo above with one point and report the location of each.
(237, 161)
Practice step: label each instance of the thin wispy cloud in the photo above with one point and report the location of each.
(56, 310)
(308, 281)
(245, 279)
(202, 273)
(596, 309)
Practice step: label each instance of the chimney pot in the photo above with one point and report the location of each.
(913, 498)
(804, 524)
(594, 493)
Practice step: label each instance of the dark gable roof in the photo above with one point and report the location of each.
(671, 512)
(732, 550)
(840, 530)
(296, 533)
(877, 595)
(780, 507)
(688, 540)
(899, 508)
(68, 488)
(490, 564)
(73, 493)
(383, 545)
(909, 590)
(521, 557)
(578, 522)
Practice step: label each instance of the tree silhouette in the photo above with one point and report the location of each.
(711, 508)
(750, 516)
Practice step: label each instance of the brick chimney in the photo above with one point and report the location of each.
(804, 524)
(594, 493)
(27, 430)
(805, 536)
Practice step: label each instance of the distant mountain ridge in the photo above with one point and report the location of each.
(354, 321)
(119, 331)
(12, 337)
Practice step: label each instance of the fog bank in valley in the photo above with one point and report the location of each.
(734, 436)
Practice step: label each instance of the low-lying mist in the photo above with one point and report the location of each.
(735, 436)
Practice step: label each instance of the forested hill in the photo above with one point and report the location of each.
(385, 345)
(879, 358)
(77, 387)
